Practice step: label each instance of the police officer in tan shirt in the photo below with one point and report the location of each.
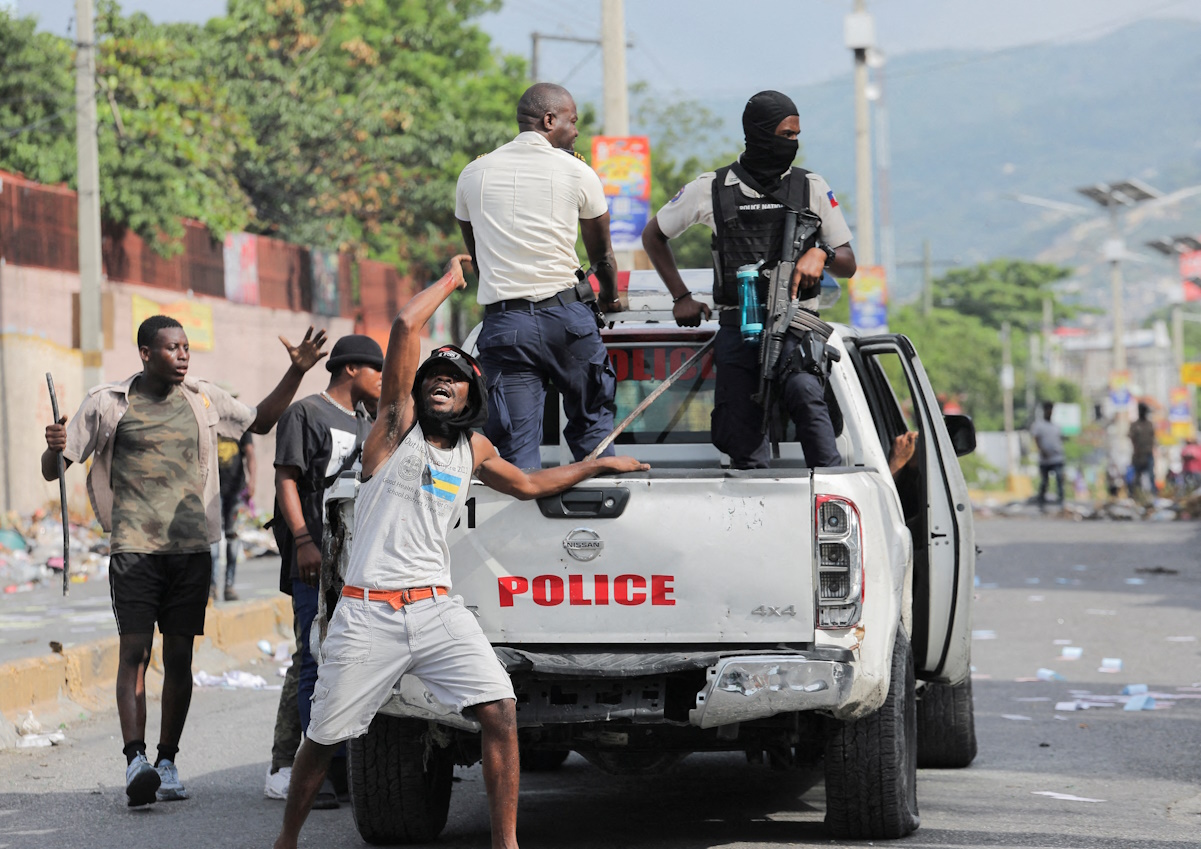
(519, 208)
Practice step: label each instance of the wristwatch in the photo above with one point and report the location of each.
(829, 251)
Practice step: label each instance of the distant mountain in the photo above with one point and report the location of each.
(968, 129)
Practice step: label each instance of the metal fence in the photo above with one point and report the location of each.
(39, 228)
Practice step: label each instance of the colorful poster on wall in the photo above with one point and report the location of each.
(241, 256)
(325, 282)
(1190, 374)
(1180, 412)
(196, 318)
(868, 291)
(1119, 388)
(624, 166)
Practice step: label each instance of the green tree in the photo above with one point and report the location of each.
(1004, 290)
(364, 112)
(37, 107)
(167, 134)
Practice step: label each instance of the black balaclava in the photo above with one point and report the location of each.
(474, 414)
(767, 155)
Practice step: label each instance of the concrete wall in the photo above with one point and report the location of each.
(36, 337)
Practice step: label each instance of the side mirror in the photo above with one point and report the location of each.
(962, 433)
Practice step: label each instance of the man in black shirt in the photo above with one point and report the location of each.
(317, 438)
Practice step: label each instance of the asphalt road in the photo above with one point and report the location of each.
(1041, 581)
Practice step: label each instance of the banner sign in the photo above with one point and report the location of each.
(325, 282)
(868, 292)
(1190, 271)
(1190, 374)
(196, 318)
(242, 268)
(1119, 388)
(1180, 412)
(624, 166)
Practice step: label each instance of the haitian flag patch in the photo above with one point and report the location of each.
(833, 200)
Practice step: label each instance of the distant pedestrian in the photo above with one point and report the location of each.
(1142, 441)
(236, 468)
(154, 486)
(1049, 439)
(1190, 458)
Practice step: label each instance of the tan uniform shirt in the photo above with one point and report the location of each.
(94, 426)
(693, 204)
(524, 202)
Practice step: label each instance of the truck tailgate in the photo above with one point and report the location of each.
(688, 560)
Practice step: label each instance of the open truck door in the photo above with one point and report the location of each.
(934, 497)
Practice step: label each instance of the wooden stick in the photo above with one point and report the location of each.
(62, 495)
(646, 402)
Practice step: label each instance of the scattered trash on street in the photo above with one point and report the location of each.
(236, 680)
(1064, 797)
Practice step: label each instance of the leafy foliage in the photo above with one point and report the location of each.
(1004, 290)
(37, 106)
(364, 112)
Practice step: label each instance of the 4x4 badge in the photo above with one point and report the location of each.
(583, 544)
(767, 610)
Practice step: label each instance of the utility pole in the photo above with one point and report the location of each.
(1011, 469)
(88, 181)
(859, 31)
(613, 49)
(927, 279)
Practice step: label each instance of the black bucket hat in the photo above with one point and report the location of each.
(476, 411)
(355, 349)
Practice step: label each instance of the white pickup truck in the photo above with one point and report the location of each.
(796, 614)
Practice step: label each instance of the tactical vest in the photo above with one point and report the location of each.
(749, 229)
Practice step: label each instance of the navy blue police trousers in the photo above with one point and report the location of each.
(522, 351)
(738, 420)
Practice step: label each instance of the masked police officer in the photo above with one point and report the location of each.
(745, 204)
(518, 208)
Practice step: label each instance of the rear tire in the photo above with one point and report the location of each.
(543, 760)
(871, 763)
(399, 783)
(946, 726)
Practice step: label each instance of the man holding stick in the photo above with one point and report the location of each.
(396, 616)
(154, 487)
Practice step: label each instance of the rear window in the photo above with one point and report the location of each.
(679, 415)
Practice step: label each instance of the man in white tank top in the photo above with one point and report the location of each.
(397, 616)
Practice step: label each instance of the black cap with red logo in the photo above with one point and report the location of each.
(476, 412)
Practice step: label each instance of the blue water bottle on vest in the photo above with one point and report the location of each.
(748, 302)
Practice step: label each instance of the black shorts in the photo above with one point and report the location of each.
(170, 589)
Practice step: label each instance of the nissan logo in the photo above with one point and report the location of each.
(583, 544)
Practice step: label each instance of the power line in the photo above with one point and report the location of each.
(8, 134)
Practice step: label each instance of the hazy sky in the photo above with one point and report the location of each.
(694, 45)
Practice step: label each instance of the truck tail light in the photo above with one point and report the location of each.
(839, 544)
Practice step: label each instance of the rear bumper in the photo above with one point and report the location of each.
(739, 689)
(586, 687)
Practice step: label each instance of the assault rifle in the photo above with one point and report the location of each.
(799, 229)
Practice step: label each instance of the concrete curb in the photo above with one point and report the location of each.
(83, 677)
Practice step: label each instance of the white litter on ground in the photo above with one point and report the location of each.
(1064, 797)
(236, 680)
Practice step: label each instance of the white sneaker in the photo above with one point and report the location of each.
(169, 789)
(277, 783)
(141, 780)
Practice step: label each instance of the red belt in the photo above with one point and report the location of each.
(396, 598)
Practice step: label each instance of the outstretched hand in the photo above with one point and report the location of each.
(624, 464)
(308, 353)
(454, 268)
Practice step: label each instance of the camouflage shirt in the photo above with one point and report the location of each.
(157, 477)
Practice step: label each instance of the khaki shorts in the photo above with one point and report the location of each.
(369, 646)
